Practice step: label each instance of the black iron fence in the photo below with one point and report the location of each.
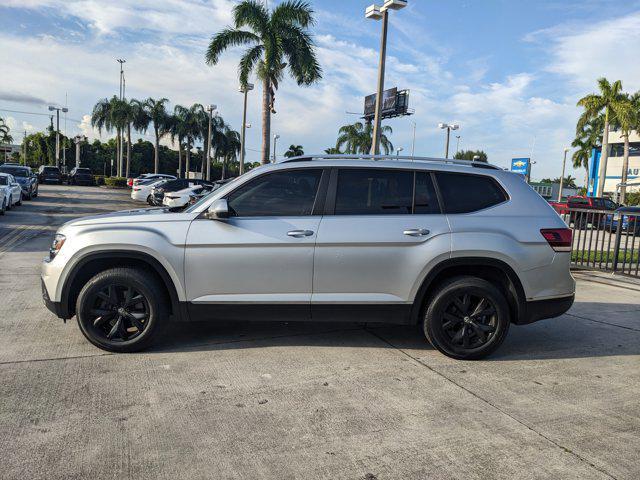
(605, 240)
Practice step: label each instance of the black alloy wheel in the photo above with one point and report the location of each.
(467, 318)
(122, 309)
(118, 313)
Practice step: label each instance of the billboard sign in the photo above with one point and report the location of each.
(520, 165)
(394, 103)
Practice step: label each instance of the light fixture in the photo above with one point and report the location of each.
(394, 5)
(373, 12)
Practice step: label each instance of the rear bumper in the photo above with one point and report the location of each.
(541, 309)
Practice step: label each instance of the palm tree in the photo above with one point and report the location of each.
(230, 148)
(608, 102)
(276, 40)
(156, 112)
(357, 138)
(5, 137)
(586, 140)
(294, 151)
(332, 151)
(628, 119)
(112, 114)
(190, 127)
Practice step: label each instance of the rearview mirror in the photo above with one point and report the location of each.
(218, 210)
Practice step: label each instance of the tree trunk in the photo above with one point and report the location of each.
(187, 159)
(266, 121)
(625, 169)
(602, 171)
(128, 150)
(179, 158)
(156, 159)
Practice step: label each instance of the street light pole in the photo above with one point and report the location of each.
(57, 109)
(245, 90)
(413, 143)
(457, 143)
(381, 13)
(564, 164)
(398, 150)
(448, 127)
(210, 109)
(120, 134)
(275, 142)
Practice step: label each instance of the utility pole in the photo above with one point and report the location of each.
(210, 109)
(457, 143)
(245, 90)
(564, 164)
(24, 148)
(78, 139)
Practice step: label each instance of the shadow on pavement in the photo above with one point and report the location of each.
(565, 337)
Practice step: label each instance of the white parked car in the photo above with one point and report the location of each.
(142, 191)
(12, 191)
(149, 176)
(181, 197)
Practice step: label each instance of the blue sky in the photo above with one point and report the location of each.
(509, 72)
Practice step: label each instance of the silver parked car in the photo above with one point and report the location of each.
(462, 248)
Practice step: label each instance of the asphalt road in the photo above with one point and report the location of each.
(334, 401)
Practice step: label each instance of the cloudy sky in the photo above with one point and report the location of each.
(509, 72)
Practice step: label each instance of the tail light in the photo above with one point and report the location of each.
(130, 182)
(558, 238)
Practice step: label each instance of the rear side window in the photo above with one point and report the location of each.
(373, 191)
(463, 193)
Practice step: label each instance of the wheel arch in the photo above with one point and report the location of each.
(490, 269)
(96, 262)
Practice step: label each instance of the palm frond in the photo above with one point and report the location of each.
(228, 38)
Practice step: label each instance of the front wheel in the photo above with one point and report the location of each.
(467, 318)
(122, 309)
(3, 208)
(19, 202)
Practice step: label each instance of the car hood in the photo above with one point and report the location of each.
(144, 215)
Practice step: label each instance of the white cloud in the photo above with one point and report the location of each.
(584, 52)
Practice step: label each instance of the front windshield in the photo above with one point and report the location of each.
(204, 199)
(15, 171)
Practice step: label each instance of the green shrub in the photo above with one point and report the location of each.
(115, 182)
(99, 179)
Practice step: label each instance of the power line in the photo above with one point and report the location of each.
(35, 113)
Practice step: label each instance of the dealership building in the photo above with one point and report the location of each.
(613, 175)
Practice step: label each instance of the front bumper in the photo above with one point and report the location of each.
(55, 307)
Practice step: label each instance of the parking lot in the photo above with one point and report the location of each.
(336, 401)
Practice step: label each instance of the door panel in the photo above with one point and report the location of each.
(377, 258)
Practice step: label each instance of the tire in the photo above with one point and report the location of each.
(3, 208)
(149, 200)
(102, 299)
(451, 325)
(19, 202)
(35, 194)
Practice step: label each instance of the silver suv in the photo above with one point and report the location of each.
(462, 248)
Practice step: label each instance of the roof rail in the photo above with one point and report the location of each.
(376, 158)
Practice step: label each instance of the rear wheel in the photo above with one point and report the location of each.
(3, 207)
(467, 318)
(122, 309)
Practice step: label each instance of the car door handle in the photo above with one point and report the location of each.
(417, 232)
(300, 233)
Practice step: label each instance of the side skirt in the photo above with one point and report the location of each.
(375, 313)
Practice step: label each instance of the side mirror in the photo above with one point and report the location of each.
(218, 210)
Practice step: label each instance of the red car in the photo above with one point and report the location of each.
(560, 207)
(591, 203)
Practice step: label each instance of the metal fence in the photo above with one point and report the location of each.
(605, 240)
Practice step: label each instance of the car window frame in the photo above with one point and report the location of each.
(318, 202)
(332, 192)
(470, 174)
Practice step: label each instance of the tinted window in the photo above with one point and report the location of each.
(468, 193)
(291, 193)
(425, 200)
(4, 180)
(373, 191)
(83, 170)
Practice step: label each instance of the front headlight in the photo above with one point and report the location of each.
(58, 242)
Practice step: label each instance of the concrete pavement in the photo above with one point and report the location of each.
(334, 401)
